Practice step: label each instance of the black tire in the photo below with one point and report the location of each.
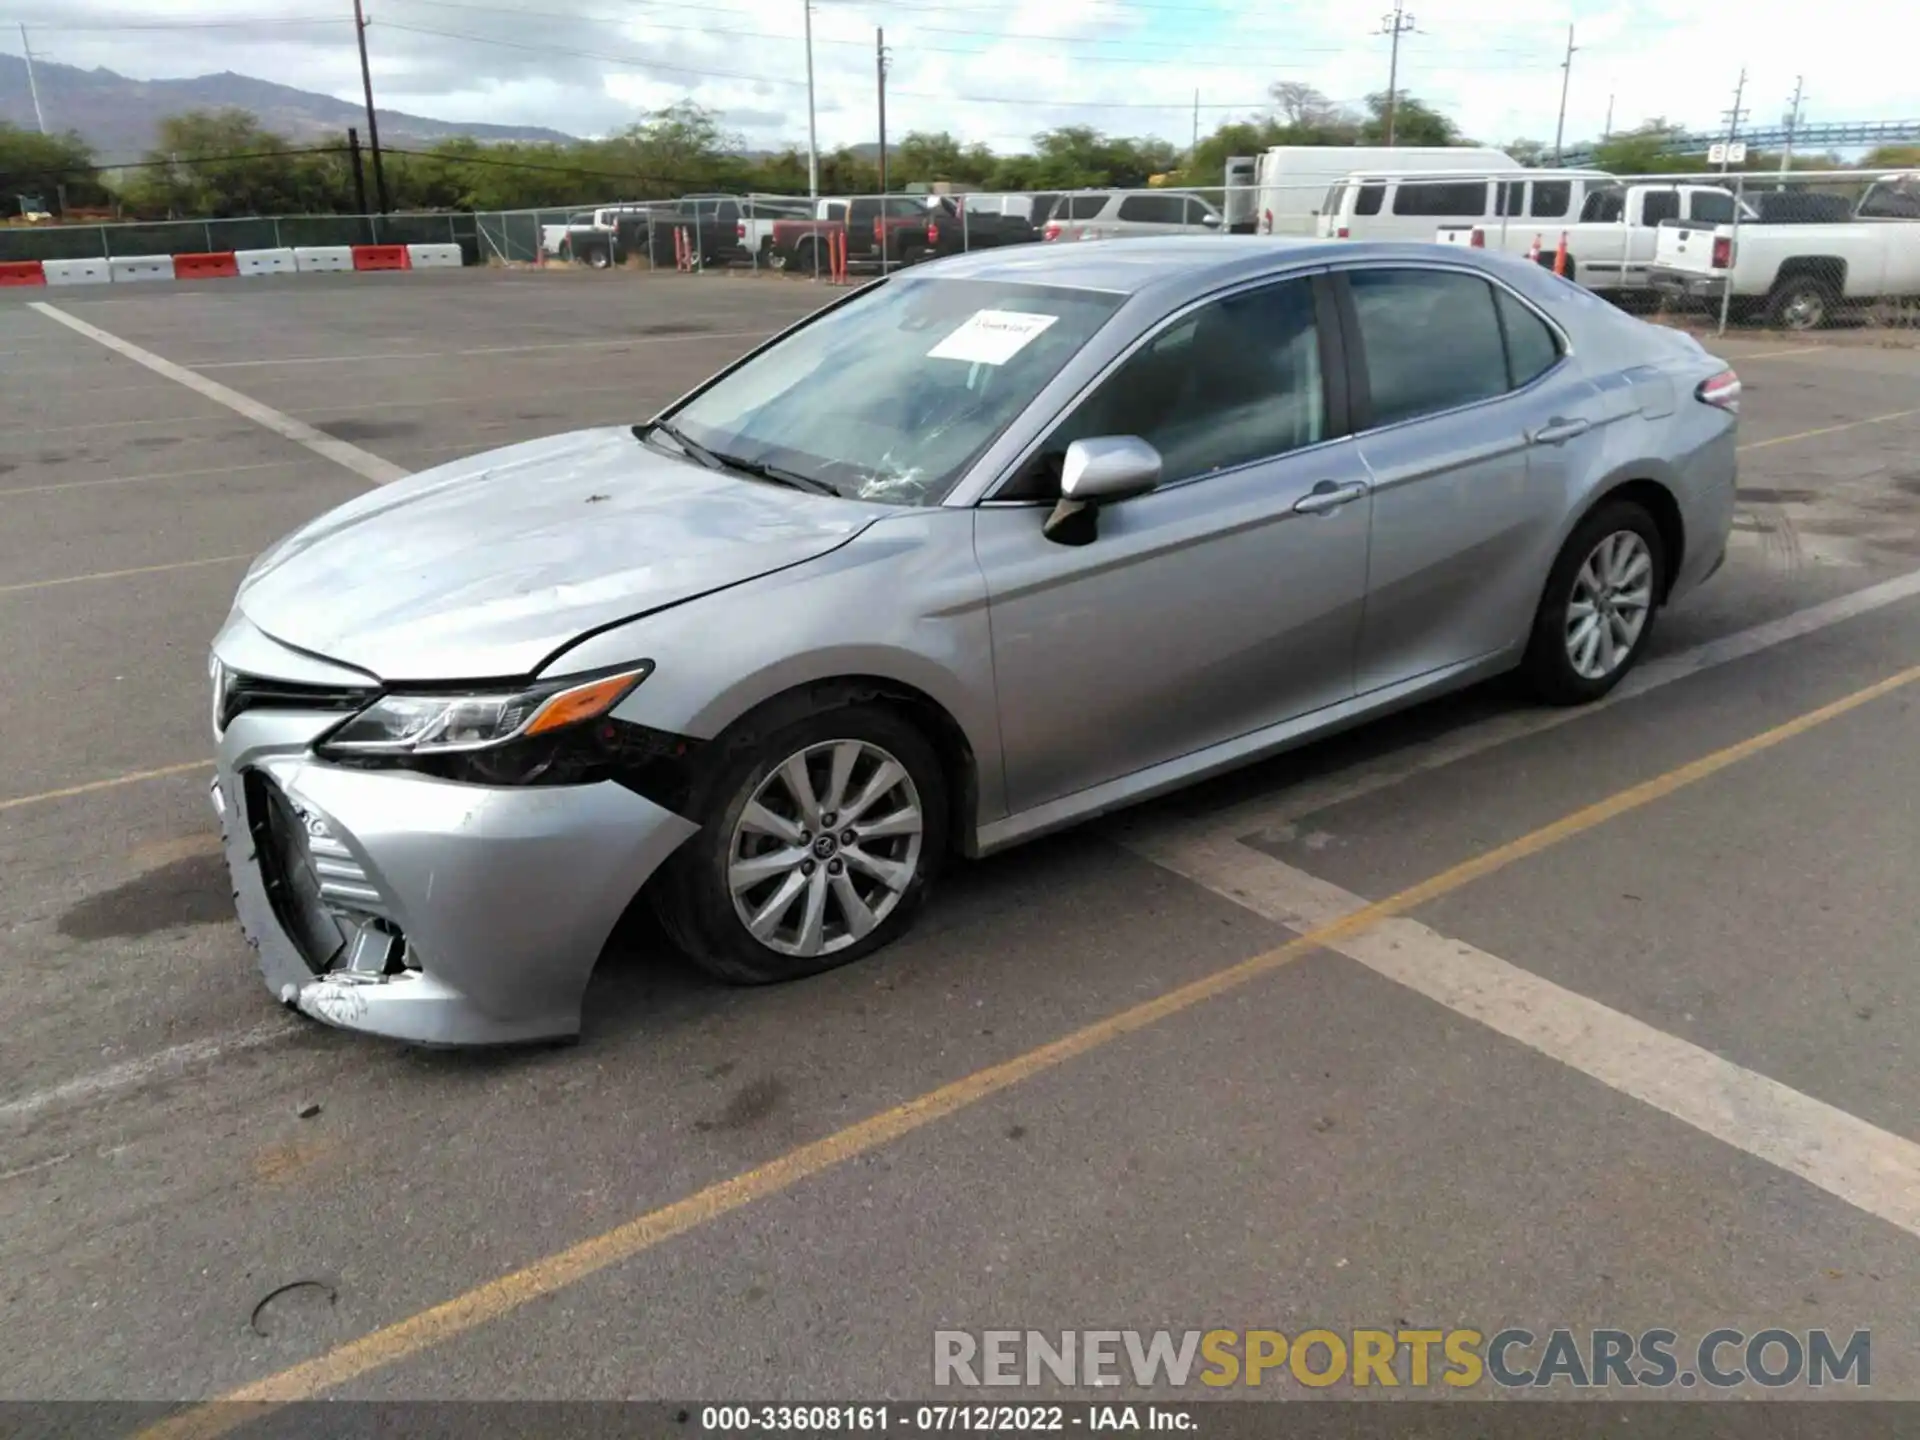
(694, 900)
(599, 258)
(1548, 668)
(1800, 303)
(810, 258)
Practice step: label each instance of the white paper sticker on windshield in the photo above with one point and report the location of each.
(991, 337)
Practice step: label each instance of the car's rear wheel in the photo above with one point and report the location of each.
(599, 258)
(818, 844)
(1597, 614)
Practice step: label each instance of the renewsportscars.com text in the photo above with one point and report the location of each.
(1510, 1359)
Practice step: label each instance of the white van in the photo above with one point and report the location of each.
(1291, 180)
(1610, 228)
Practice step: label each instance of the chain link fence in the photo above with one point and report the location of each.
(1798, 250)
(1802, 249)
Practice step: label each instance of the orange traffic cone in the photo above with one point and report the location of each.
(1560, 256)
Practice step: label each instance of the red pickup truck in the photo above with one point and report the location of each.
(891, 227)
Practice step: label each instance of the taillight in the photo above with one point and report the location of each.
(1723, 252)
(1053, 230)
(933, 232)
(1342, 234)
(1721, 391)
(740, 230)
(879, 232)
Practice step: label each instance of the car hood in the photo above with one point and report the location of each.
(486, 567)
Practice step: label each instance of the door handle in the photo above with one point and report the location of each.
(1556, 431)
(1328, 496)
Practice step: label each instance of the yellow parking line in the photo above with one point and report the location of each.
(118, 574)
(499, 1297)
(92, 785)
(1783, 354)
(1829, 430)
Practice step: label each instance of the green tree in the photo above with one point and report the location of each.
(1414, 122)
(1531, 153)
(43, 167)
(210, 164)
(1892, 157)
(1650, 148)
(925, 156)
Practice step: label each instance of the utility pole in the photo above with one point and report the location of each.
(359, 169)
(373, 125)
(813, 138)
(880, 70)
(1397, 24)
(1607, 132)
(1566, 80)
(1735, 115)
(1196, 126)
(33, 85)
(1793, 124)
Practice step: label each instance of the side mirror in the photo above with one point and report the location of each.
(1096, 472)
(1213, 221)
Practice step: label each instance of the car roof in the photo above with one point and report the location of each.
(1173, 268)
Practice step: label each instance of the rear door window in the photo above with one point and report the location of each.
(1707, 208)
(1431, 341)
(1456, 198)
(1660, 205)
(1154, 209)
(1085, 207)
(1551, 199)
(1532, 348)
(1370, 197)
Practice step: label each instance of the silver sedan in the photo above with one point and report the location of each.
(982, 550)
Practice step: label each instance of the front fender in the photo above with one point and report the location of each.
(903, 602)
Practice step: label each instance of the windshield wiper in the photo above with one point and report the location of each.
(760, 470)
(694, 449)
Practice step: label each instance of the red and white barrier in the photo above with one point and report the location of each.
(322, 259)
(76, 272)
(429, 257)
(381, 257)
(229, 264)
(264, 262)
(209, 265)
(122, 268)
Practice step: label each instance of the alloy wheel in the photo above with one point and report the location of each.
(825, 848)
(1612, 597)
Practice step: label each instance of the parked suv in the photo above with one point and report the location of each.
(1114, 214)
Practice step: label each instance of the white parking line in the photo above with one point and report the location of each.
(1371, 776)
(361, 462)
(612, 344)
(132, 1073)
(1870, 1168)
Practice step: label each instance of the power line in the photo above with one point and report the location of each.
(638, 63)
(99, 27)
(1158, 47)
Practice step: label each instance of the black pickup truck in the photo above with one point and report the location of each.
(987, 222)
(711, 222)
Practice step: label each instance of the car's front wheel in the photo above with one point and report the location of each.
(1597, 614)
(818, 843)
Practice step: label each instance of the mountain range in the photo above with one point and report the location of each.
(119, 117)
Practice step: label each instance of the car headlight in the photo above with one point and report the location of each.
(421, 724)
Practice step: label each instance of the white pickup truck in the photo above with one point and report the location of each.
(1611, 246)
(1798, 276)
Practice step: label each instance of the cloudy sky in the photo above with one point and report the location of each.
(997, 71)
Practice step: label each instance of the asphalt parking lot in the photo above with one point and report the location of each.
(1633, 1044)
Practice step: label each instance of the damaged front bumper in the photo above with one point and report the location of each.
(418, 908)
